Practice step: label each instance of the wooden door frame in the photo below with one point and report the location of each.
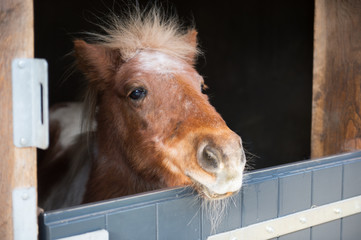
(336, 105)
(17, 165)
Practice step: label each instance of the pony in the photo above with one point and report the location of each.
(145, 123)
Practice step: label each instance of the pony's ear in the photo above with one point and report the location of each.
(98, 63)
(191, 36)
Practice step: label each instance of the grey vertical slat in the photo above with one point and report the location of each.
(133, 224)
(76, 227)
(352, 179)
(230, 219)
(327, 188)
(260, 202)
(351, 226)
(179, 219)
(294, 196)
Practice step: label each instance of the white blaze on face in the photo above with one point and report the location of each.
(155, 61)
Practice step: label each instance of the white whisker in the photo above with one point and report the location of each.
(215, 210)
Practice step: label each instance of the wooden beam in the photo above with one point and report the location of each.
(336, 110)
(17, 166)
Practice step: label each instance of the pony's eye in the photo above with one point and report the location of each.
(138, 94)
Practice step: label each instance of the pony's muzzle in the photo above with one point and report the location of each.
(223, 163)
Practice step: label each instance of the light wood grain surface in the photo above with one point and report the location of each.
(17, 166)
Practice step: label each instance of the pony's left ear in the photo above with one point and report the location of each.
(98, 63)
(191, 36)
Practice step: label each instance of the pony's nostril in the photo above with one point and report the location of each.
(209, 159)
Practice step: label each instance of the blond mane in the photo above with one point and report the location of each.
(147, 29)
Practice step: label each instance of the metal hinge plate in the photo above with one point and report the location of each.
(30, 103)
(24, 214)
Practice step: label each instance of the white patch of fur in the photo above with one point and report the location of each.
(70, 120)
(159, 62)
(226, 181)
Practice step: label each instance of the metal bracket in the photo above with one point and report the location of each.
(30, 103)
(24, 214)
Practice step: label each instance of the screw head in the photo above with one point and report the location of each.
(303, 220)
(21, 64)
(269, 229)
(23, 141)
(337, 210)
(25, 196)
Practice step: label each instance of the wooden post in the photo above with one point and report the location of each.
(17, 165)
(336, 110)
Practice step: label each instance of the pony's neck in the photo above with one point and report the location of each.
(111, 176)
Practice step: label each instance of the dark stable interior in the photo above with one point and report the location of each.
(257, 64)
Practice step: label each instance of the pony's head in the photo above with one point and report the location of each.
(152, 117)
